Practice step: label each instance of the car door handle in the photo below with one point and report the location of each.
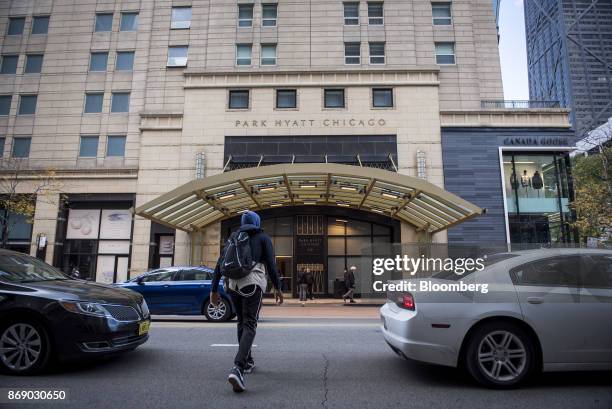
(166, 285)
(535, 300)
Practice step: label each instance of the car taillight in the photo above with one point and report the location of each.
(406, 301)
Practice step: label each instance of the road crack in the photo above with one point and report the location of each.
(325, 387)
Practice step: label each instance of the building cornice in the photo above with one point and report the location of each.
(267, 79)
(527, 118)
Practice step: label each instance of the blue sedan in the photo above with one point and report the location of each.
(181, 291)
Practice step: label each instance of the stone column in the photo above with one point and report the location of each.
(207, 245)
(141, 238)
(182, 248)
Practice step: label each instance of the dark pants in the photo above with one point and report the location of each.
(247, 312)
(309, 292)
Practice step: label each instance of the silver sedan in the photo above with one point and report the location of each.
(547, 310)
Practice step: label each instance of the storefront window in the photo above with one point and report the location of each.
(537, 197)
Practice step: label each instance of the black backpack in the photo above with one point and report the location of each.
(237, 260)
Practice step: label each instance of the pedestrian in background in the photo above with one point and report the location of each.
(303, 286)
(349, 283)
(310, 282)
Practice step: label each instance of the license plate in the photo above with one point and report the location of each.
(143, 327)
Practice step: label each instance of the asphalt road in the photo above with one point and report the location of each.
(306, 362)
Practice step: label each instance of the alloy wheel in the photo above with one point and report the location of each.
(502, 356)
(216, 312)
(20, 346)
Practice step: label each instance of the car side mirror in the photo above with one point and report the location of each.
(140, 281)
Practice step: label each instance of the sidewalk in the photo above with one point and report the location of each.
(359, 302)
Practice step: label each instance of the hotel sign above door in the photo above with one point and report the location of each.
(311, 123)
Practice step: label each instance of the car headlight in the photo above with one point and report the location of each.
(87, 308)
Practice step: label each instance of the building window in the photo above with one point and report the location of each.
(115, 145)
(441, 13)
(376, 13)
(445, 53)
(352, 53)
(21, 147)
(104, 22)
(243, 54)
(351, 14)
(88, 147)
(15, 26)
(382, 97)
(5, 104)
(269, 14)
(177, 56)
(27, 105)
(33, 64)
(40, 25)
(377, 53)
(238, 99)
(93, 103)
(333, 98)
(120, 102)
(245, 15)
(125, 61)
(9, 64)
(181, 18)
(98, 61)
(286, 98)
(2, 142)
(129, 22)
(268, 54)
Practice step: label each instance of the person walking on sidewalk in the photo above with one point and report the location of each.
(349, 283)
(310, 282)
(303, 286)
(247, 292)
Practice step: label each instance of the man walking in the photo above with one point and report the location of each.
(247, 293)
(349, 283)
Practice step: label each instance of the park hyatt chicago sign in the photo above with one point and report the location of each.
(310, 123)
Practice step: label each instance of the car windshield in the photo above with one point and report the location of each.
(21, 268)
(488, 260)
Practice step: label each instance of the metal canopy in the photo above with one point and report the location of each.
(202, 202)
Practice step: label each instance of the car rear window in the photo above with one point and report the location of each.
(488, 261)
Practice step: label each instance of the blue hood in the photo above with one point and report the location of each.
(250, 218)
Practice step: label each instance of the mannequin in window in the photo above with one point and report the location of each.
(525, 181)
(513, 181)
(536, 182)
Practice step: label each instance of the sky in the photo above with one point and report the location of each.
(512, 50)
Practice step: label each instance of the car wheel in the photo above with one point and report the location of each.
(500, 355)
(218, 313)
(24, 347)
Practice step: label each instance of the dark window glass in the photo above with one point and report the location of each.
(243, 54)
(377, 53)
(245, 15)
(115, 145)
(161, 276)
(2, 141)
(93, 103)
(268, 54)
(375, 13)
(21, 147)
(104, 22)
(120, 102)
(599, 275)
(15, 26)
(5, 104)
(334, 98)
(352, 53)
(269, 14)
(129, 22)
(286, 98)
(40, 25)
(98, 61)
(351, 13)
(9, 64)
(382, 97)
(559, 271)
(239, 99)
(27, 105)
(445, 53)
(89, 147)
(177, 56)
(125, 61)
(192, 275)
(33, 63)
(441, 13)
